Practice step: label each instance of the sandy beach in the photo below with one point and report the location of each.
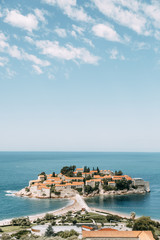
(77, 203)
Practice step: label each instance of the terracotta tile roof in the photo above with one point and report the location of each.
(87, 227)
(97, 176)
(74, 178)
(54, 178)
(80, 169)
(76, 183)
(109, 176)
(112, 182)
(41, 175)
(118, 234)
(93, 171)
(48, 182)
(127, 177)
(94, 180)
(146, 235)
(122, 176)
(108, 229)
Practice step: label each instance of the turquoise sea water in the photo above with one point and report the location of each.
(17, 168)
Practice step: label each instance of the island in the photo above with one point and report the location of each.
(83, 181)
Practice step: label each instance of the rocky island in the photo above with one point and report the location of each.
(86, 182)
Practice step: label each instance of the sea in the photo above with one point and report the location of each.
(18, 168)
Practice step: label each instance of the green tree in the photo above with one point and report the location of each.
(88, 189)
(145, 224)
(68, 171)
(118, 173)
(49, 231)
(79, 174)
(53, 174)
(74, 221)
(122, 184)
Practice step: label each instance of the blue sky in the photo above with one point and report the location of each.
(79, 75)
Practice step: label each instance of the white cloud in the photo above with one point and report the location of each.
(20, 54)
(143, 17)
(73, 33)
(106, 31)
(14, 52)
(29, 39)
(114, 55)
(37, 69)
(3, 42)
(71, 9)
(141, 46)
(78, 29)
(35, 60)
(61, 32)
(88, 41)
(3, 61)
(10, 73)
(40, 15)
(68, 52)
(126, 17)
(15, 18)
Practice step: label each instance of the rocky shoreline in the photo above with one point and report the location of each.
(72, 193)
(115, 193)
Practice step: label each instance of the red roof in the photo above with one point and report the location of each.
(91, 228)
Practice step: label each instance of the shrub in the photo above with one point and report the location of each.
(21, 233)
(1, 230)
(53, 223)
(57, 193)
(21, 222)
(49, 216)
(79, 190)
(67, 234)
(5, 236)
(108, 188)
(27, 189)
(113, 217)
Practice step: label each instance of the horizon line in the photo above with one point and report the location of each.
(67, 151)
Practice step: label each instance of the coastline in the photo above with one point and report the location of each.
(76, 204)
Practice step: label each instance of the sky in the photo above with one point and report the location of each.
(80, 75)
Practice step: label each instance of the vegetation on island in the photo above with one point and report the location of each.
(68, 171)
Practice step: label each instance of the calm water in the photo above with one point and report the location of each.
(17, 168)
